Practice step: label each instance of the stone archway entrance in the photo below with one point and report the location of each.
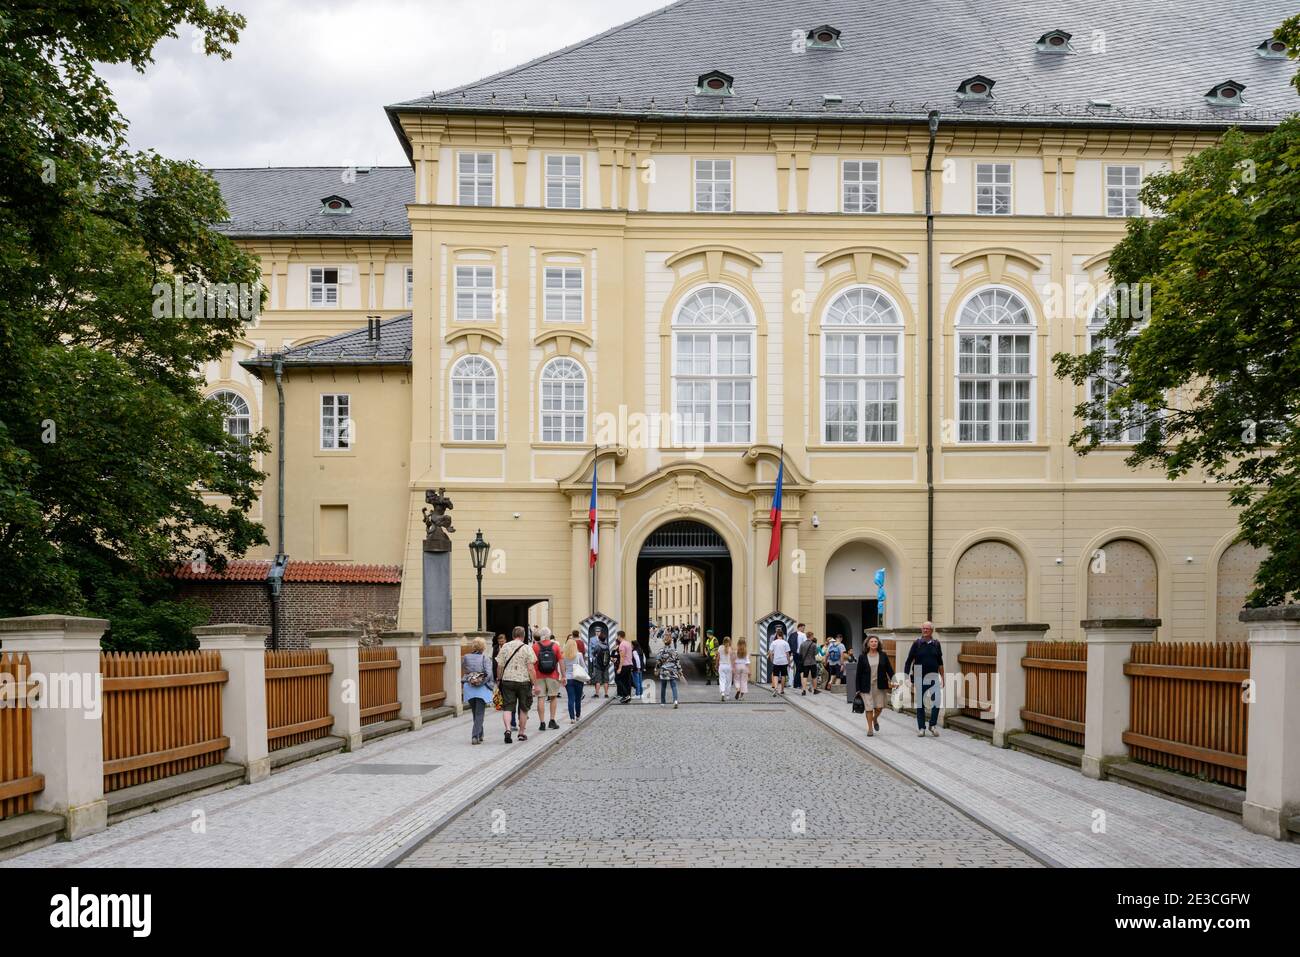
(693, 545)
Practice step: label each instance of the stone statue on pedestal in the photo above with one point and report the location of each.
(437, 522)
(437, 562)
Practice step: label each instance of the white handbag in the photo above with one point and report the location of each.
(580, 672)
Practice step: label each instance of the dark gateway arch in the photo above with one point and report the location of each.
(692, 545)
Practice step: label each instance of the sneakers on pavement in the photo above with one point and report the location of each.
(920, 732)
(553, 726)
(674, 705)
(508, 738)
(934, 732)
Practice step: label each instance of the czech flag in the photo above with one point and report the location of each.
(592, 529)
(774, 549)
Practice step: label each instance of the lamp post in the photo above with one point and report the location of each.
(478, 550)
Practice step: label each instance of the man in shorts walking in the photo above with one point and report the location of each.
(515, 661)
(778, 656)
(546, 678)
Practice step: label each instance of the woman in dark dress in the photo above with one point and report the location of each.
(873, 678)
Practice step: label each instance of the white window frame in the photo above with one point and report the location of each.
(475, 290)
(1096, 323)
(336, 415)
(474, 185)
(570, 421)
(482, 424)
(230, 413)
(868, 199)
(712, 377)
(1125, 192)
(317, 282)
(862, 332)
(408, 278)
(708, 187)
(998, 332)
(567, 182)
(991, 170)
(564, 303)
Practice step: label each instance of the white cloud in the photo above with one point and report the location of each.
(308, 82)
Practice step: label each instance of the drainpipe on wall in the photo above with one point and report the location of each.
(276, 577)
(929, 370)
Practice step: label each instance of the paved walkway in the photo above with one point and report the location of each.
(346, 810)
(1052, 809)
(740, 784)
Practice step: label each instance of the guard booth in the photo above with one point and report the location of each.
(766, 627)
(607, 627)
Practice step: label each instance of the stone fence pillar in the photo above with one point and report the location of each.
(1110, 646)
(67, 720)
(951, 638)
(243, 696)
(408, 645)
(448, 643)
(343, 647)
(1009, 678)
(1273, 741)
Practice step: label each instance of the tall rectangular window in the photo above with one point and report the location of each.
(1122, 186)
(474, 293)
(862, 379)
(713, 186)
(861, 186)
(563, 295)
(409, 277)
(994, 387)
(335, 421)
(564, 182)
(323, 287)
(475, 173)
(993, 189)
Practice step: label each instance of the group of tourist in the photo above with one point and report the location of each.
(532, 666)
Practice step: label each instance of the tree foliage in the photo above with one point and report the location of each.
(1214, 375)
(113, 468)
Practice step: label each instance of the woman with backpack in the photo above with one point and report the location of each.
(476, 685)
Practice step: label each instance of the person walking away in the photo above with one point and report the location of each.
(834, 660)
(778, 657)
(669, 670)
(726, 663)
(796, 649)
(807, 658)
(710, 657)
(638, 667)
(574, 649)
(623, 676)
(875, 672)
(546, 677)
(498, 643)
(598, 662)
(740, 668)
(516, 659)
(476, 685)
(925, 666)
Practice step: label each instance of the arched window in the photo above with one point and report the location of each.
(236, 419)
(995, 368)
(713, 369)
(473, 400)
(861, 368)
(564, 401)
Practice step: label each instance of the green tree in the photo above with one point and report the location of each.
(107, 447)
(1213, 375)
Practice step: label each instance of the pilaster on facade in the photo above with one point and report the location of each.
(793, 157)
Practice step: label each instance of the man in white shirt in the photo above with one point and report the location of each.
(778, 656)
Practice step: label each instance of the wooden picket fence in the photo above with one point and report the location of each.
(297, 697)
(1186, 708)
(379, 684)
(19, 782)
(1056, 689)
(432, 663)
(162, 714)
(978, 661)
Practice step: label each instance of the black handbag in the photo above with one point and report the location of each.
(859, 706)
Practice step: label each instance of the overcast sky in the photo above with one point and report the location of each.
(309, 79)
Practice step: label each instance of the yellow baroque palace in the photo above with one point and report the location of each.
(700, 241)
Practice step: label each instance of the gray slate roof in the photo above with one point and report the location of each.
(902, 58)
(355, 348)
(286, 201)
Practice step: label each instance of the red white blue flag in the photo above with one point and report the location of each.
(592, 529)
(774, 549)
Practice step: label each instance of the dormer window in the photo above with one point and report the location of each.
(825, 37)
(978, 89)
(335, 206)
(715, 83)
(1225, 94)
(1272, 49)
(1054, 41)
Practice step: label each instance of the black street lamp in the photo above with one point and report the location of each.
(478, 550)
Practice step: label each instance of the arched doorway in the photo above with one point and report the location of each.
(850, 591)
(990, 587)
(701, 551)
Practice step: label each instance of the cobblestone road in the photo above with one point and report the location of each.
(749, 783)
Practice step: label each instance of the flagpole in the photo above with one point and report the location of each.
(780, 539)
(595, 458)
